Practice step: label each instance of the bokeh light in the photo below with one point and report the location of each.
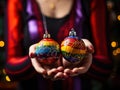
(114, 44)
(7, 78)
(2, 43)
(118, 17)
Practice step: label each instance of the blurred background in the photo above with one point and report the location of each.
(113, 30)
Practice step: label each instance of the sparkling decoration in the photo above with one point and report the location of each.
(47, 50)
(72, 48)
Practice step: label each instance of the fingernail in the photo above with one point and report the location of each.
(32, 55)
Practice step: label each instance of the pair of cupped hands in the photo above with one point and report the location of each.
(62, 69)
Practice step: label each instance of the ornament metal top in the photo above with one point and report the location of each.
(72, 48)
(47, 50)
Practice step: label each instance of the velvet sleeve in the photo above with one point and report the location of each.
(18, 65)
(101, 67)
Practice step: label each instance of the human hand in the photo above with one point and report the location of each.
(73, 69)
(62, 69)
(53, 71)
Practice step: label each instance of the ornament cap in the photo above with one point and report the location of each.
(72, 32)
(46, 35)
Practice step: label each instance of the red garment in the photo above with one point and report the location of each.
(101, 59)
(18, 65)
(15, 56)
(21, 64)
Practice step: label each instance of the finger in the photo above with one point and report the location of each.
(32, 51)
(58, 76)
(75, 70)
(67, 71)
(90, 49)
(52, 72)
(37, 66)
(65, 75)
(60, 68)
(89, 46)
(32, 55)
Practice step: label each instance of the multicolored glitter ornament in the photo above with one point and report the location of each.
(72, 48)
(47, 50)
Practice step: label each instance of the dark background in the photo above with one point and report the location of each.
(113, 31)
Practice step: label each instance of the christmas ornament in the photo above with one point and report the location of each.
(47, 50)
(72, 48)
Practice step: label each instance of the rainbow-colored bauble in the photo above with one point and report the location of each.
(72, 48)
(47, 51)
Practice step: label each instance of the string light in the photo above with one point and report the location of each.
(2, 43)
(7, 78)
(114, 52)
(118, 50)
(114, 44)
(4, 71)
(118, 17)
